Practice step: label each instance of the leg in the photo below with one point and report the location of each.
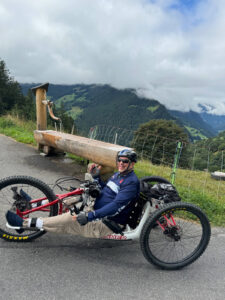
(66, 224)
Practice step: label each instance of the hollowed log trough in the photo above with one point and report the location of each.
(99, 152)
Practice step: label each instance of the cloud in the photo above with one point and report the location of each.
(168, 51)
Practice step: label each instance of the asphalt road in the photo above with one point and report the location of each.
(68, 267)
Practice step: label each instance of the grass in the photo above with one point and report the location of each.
(66, 98)
(153, 108)
(193, 186)
(19, 130)
(196, 187)
(75, 112)
(78, 159)
(69, 98)
(196, 133)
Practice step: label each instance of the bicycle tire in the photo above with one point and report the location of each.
(34, 188)
(166, 248)
(156, 179)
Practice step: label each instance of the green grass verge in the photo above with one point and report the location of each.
(78, 159)
(19, 130)
(194, 186)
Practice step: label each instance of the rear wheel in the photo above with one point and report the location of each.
(154, 179)
(16, 194)
(182, 235)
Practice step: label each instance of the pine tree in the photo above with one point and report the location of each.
(10, 91)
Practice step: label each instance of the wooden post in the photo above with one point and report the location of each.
(41, 110)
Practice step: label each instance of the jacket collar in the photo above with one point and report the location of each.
(126, 173)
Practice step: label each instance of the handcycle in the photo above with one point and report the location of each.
(171, 235)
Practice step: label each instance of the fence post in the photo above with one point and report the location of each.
(176, 160)
(41, 110)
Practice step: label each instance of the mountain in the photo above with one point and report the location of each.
(216, 122)
(194, 123)
(93, 104)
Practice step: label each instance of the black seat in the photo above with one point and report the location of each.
(137, 205)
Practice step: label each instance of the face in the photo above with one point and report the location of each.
(123, 164)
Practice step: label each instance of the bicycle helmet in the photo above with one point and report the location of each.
(130, 154)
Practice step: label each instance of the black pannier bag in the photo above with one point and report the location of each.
(165, 192)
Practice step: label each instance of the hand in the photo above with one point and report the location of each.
(82, 218)
(95, 170)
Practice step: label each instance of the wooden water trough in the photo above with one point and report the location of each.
(96, 151)
(99, 152)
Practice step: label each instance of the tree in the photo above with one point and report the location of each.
(157, 141)
(210, 153)
(10, 91)
(67, 121)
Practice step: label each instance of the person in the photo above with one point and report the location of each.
(111, 209)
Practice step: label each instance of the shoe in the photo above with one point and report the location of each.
(14, 220)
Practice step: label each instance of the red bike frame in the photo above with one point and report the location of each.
(45, 207)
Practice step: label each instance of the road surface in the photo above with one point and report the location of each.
(68, 267)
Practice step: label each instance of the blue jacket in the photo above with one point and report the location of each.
(116, 194)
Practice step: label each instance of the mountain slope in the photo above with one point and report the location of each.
(120, 108)
(193, 122)
(216, 122)
(91, 105)
(94, 104)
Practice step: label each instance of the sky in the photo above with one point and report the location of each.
(169, 50)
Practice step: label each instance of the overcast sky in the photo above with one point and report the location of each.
(170, 50)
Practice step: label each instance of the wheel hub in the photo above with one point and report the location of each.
(173, 232)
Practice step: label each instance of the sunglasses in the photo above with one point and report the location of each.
(125, 161)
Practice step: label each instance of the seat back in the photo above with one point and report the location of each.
(137, 205)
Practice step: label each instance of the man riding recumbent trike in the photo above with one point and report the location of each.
(172, 234)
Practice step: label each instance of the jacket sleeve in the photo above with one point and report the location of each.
(126, 194)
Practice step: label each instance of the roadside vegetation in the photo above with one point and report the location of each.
(21, 131)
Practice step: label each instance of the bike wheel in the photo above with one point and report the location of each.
(11, 188)
(154, 179)
(182, 235)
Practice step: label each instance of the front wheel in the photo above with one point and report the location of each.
(182, 235)
(17, 194)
